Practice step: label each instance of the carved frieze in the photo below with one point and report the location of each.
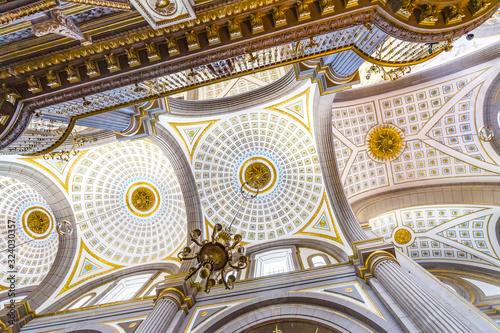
(162, 13)
(16, 14)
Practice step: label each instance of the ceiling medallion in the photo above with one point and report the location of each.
(143, 199)
(402, 236)
(385, 142)
(37, 222)
(259, 174)
(220, 256)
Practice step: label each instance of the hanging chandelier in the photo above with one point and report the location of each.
(223, 254)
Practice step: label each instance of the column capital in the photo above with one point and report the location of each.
(15, 316)
(367, 255)
(177, 290)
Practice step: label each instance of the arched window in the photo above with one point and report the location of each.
(125, 289)
(318, 261)
(81, 302)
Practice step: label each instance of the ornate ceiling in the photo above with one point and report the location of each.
(439, 122)
(464, 233)
(128, 206)
(274, 139)
(34, 229)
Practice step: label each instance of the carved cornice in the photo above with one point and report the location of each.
(380, 17)
(25, 11)
(124, 5)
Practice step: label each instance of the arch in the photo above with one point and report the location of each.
(310, 259)
(322, 115)
(491, 108)
(240, 102)
(444, 194)
(87, 287)
(62, 210)
(88, 328)
(169, 145)
(316, 244)
(454, 273)
(328, 310)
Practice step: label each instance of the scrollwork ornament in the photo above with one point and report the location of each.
(406, 8)
(33, 84)
(72, 74)
(8, 94)
(152, 50)
(192, 40)
(303, 10)
(453, 13)
(165, 7)
(256, 23)
(279, 16)
(429, 14)
(133, 57)
(213, 34)
(477, 6)
(234, 29)
(112, 62)
(173, 49)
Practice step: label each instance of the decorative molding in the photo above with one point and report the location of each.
(162, 13)
(58, 23)
(26, 11)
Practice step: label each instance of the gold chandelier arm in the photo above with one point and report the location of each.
(193, 271)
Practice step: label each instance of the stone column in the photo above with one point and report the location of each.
(426, 311)
(165, 308)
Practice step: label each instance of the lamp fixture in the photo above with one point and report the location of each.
(220, 255)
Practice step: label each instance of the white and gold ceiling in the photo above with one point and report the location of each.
(127, 203)
(130, 211)
(274, 139)
(34, 226)
(436, 121)
(464, 233)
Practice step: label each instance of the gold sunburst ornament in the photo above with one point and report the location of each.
(385, 142)
(257, 175)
